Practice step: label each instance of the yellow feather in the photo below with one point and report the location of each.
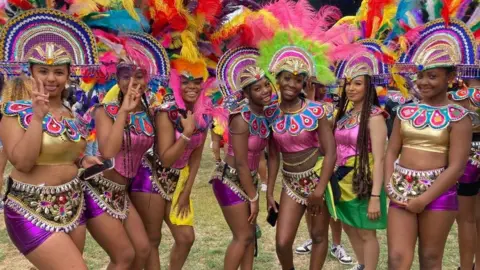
(400, 82)
(130, 8)
(104, 3)
(112, 94)
(347, 20)
(189, 49)
(87, 86)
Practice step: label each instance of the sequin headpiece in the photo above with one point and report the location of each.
(289, 50)
(48, 36)
(151, 56)
(237, 69)
(440, 45)
(366, 62)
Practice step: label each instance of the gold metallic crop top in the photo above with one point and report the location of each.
(426, 128)
(62, 141)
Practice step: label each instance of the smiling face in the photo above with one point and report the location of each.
(190, 89)
(434, 82)
(54, 78)
(260, 92)
(290, 85)
(139, 77)
(356, 89)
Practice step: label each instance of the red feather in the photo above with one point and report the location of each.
(375, 10)
(210, 9)
(446, 11)
(23, 4)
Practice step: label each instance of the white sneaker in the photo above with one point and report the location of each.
(358, 267)
(304, 248)
(264, 187)
(341, 255)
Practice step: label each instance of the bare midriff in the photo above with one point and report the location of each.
(48, 175)
(422, 160)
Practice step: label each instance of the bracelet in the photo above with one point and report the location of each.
(254, 198)
(80, 161)
(377, 196)
(188, 139)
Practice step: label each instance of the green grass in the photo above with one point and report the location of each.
(213, 236)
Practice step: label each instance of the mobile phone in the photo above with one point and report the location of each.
(272, 215)
(95, 170)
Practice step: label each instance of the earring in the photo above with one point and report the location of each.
(450, 85)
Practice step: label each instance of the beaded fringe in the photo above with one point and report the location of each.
(157, 187)
(52, 190)
(101, 203)
(218, 175)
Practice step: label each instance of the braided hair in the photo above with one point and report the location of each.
(362, 176)
(126, 144)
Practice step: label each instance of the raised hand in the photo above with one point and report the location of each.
(132, 98)
(40, 102)
(188, 124)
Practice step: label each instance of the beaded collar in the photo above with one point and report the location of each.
(351, 119)
(422, 115)
(472, 93)
(305, 119)
(139, 122)
(259, 125)
(66, 126)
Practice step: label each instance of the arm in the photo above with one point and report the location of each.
(393, 150)
(110, 133)
(216, 145)
(22, 147)
(460, 142)
(378, 137)
(169, 149)
(327, 140)
(194, 164)
(239, 141)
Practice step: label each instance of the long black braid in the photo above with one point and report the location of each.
(362, 176)
(146, 106)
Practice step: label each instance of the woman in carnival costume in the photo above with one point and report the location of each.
(428, 148)
(298, 131)
(469, 184)
(235, 180)
(45, 204)
(125, 132)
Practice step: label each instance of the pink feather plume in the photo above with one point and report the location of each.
(289, 13)
(175, 85)
(326, 17)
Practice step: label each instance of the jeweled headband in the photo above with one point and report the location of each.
(37, 35)
(440, 45)
(237, 69)
(366, 62)
(292, 59)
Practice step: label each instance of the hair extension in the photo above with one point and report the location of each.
(126, 144)
(362, 175)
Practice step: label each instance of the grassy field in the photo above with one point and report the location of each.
(213, 236)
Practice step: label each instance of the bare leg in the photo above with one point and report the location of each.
(247, 261)
(319, 235)
(138, 237)
(243, 236)
(112, 237)
(402, 234)
(356, 241)
(371, 248)
(467, 231)
(184, 237)
(433, 228)
(78, 237)
(336, 227)
(151, 208)
(289, 217)
(50, 257)
(3, 164)
(262, 169)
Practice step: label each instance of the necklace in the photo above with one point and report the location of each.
(294, 111)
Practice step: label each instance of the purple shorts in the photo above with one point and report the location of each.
(446, 202)
(142, 182)
(105, 196)
(24, 234)
(471, 174)
(224, 194)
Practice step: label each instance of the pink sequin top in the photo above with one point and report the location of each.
(259, 128)
(142, 137)
(297, 132)
(346, 134)
(195, 141)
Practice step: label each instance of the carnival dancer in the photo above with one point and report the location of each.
(235, 180)
(298, 132)
(469, 184)
(44, 212)
(360, 134)
(433, 141)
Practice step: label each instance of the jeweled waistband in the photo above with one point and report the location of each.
(298, 175)
(410, 172)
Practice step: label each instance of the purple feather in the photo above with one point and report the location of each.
(463, 8)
